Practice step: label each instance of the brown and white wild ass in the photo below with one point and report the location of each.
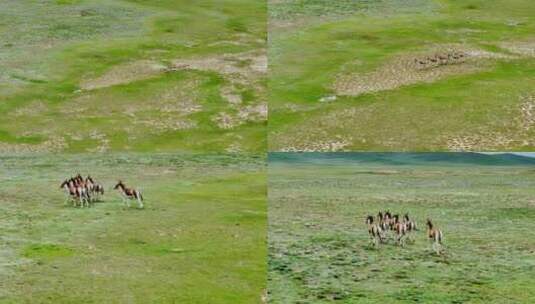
(374, 230)
(94, 188)
(435, 235)
(411, 226)
(383, 220)
(129, 194)
(76, 191)
(400, 229)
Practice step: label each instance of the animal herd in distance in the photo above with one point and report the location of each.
(439, 59)
(84, 192)
(401, 230)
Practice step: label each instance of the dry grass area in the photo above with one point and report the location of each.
(482, 139)
(338, 143)
(524, 48)
(242, 67)
(53, 144)
(125, 73)
(332, 138)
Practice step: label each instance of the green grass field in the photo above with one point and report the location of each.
(200, 239)
(319, 249)
(343, 76)
(135, 75)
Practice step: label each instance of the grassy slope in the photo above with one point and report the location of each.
(318, 242)
(48, 49)
(306, 56)
(201, 239)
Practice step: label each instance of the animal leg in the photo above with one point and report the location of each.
(372, 241)
(435, 248)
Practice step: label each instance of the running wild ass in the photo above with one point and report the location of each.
(435, 235)
(400, 229)
(374, 230)
(76, 191)
(94, 188)
(129, 194)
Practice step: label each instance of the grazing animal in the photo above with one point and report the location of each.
(435, 235)
(374, 230)
(400, 229)
(129, 194)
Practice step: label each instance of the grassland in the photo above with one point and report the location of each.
(200, 239)
(103, 75)
(343, 76)
(319, 249)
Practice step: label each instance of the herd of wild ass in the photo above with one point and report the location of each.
(83, 192)
(439, 59)
(401, 229)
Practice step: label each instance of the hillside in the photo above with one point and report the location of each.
(411, 75)
(103, 75)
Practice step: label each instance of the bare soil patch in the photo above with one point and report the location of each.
(54, 144)
(317, 143)
(245, 114)
(166, 123)
(125, 73)
(526, 48)
(409, 69)
(241, 67)
(34, 108)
